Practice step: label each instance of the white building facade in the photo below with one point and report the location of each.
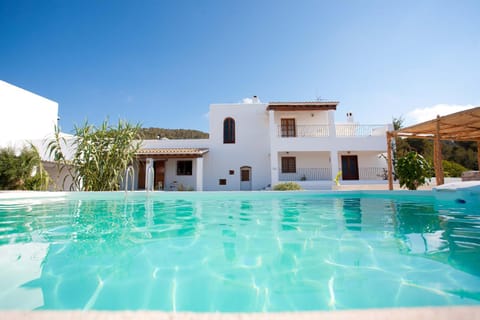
(254, 146)
(25, 116)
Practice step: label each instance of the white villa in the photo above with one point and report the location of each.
(254, 146)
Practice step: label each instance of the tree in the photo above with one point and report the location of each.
(23, 171)
(101, 157)
(413, 170)
(452, 169)
(160, 133)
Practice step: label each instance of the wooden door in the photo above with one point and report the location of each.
(246, 178)
(141, 175)
(159, 175)
(349, 167)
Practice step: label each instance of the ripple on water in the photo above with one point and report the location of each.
(211, 252)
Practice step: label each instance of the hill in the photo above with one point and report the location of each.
(159, 133)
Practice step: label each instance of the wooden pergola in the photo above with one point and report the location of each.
(460, 126)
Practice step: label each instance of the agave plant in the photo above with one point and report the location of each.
(101, 156)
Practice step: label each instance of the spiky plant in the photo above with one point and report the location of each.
(101, 156)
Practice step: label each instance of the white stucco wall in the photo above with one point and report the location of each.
(24, 115)
(307, 159)
(314, 117)
(251, 147)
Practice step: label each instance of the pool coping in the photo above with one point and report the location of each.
(421, 313)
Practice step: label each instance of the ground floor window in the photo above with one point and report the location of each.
(184, 168)
(289, 165)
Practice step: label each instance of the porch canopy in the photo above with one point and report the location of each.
(164, 153)
(302, 106)
(460, 126)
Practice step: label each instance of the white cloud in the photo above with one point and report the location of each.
(247, 100)
(428, 113)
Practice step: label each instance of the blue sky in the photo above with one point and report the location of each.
(161, 63)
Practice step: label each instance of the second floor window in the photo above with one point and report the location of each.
(228, 130)
(288, 128)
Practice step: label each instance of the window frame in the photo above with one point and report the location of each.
(182, 170)
(288, 127)
(229, 130)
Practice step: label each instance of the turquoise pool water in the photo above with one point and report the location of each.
(237, 252)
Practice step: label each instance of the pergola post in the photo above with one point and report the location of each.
(478, 154)
(437, 155)
(389, 161)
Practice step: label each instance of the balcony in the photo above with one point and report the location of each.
(341, 130)
(319, 174)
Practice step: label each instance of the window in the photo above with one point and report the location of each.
(289, 165)
(222, 182)
(184, 168)
(288, 128)
(229, 130)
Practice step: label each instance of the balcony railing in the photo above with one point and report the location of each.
(341, 130)
(304, 131)
(372, 173)
(317, 174)
(357, 130)
(310, 174)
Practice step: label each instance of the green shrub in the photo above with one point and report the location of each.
(413, 170)
(23, 171)
(287, 186)
(452, 169)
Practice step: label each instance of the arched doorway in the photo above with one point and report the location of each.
(246, 178)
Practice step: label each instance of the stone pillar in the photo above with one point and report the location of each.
(334, 163)
(149, 174)
(273, 148)
(274, 170)
(199, 177)
(332, 132)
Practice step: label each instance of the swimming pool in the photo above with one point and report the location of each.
(237, 252)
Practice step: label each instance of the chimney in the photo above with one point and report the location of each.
(255, 99)
(349, 117)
